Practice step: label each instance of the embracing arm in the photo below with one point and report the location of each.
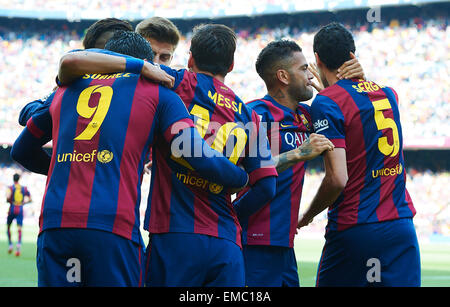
(74, 65)
(27, 151)
(209, 163)
(257, 197)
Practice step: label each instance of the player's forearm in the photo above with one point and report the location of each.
(76, 64)
(257, 197)
(288, 159)
(327, 194)
(28, 152)
(209, 163)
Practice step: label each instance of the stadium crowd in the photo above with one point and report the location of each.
(411, 57)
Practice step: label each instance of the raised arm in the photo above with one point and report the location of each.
(74, 65)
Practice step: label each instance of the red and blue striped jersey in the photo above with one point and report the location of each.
(17, 199)
(363, 118)
(275, 223)
(102, 127)
(187, 202)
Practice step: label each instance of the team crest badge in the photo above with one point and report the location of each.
(305, 121)
(105, 156)
(215, 188)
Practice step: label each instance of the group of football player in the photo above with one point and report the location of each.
(119, 109)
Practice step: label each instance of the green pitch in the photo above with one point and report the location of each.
(21, 271)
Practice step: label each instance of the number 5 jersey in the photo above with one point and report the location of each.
(363, 118)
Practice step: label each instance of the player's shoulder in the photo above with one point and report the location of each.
(260, 106)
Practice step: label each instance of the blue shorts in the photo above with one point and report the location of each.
(376, 254)
(270, 266)
(17, 217)
(69, 257)
(193, 260)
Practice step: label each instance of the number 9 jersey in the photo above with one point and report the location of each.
(102, 128)
(363, 118)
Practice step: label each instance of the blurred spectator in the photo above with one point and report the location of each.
(414, 60)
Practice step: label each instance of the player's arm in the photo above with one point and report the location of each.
(74, 65)
(27, 198)
(331, 187)
(351, 69)
(209, 163)
(33, 107)
(28, 147)
(315, 145)
(179, 131)
(263, 175)
(8, 195)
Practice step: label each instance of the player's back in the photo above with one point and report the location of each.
(229, 126)
(102, 130)
(17, 198)
(366, 122)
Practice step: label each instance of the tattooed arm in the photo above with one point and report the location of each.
(311, 148)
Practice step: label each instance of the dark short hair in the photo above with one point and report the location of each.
(213, 47)
(333, 43)
(101, 26)
(274, 56)
(130, 43)
(159, 28)
(16, 177)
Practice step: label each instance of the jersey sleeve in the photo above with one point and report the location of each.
(328, 120)
(40, 124)
(172, 114)
(258, 162)
(27, 149)
(179, 75)
(34, 107)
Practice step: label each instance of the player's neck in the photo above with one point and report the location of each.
(282, 97)
(218, 77)
(330, 76)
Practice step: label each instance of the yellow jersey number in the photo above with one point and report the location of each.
(97, 113)
(386, 123)
(202, 121)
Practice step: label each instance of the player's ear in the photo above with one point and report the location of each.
(318, 61)
(231, 67)
(283, 76)
(191, 61)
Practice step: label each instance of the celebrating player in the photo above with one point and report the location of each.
(192, 221)
(370, 237)
(102, 127)
(96, 37)
(269, 228)
(162, 35)
(17, 196)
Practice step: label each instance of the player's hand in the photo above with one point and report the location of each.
(351, 69)
(317, 84)
(148, 167)
(156, 74)
(302, 222)
(315, 145)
